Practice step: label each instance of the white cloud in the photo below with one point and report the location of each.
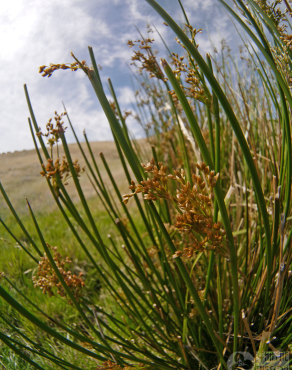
(126, 95)
(198, 4)
(34, 34)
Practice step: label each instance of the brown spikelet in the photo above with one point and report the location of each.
(193, 204)
(48, 281)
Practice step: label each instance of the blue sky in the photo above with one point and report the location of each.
(35, 33)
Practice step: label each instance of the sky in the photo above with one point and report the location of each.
(35, 33)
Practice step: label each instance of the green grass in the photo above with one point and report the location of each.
(19, 269)
(201, 270)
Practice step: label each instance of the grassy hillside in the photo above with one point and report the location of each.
(19, 175)
(197, 266)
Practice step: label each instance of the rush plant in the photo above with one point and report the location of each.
(201, 267)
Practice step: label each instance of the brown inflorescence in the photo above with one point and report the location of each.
(114, 109)
(274, 12)
(193, 205)
(277, 13)
(147, 59)
(47, 279)
(60, 171)
(54, 131)
(47, 71)
(194, 87)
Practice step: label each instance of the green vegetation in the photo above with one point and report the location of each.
(198, 264)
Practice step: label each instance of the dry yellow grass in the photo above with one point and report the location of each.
(20, 176)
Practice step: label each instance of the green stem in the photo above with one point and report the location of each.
(219, 196)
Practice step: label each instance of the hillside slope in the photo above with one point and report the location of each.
(20, 176)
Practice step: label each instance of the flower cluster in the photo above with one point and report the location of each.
(1, 275)
(47, 279)
(194, 87)
(47, 71)
(114, 109)
(193, 204)
(274, 12)
(60, 171)
(54, 131)
(152, 188)
(147, 59)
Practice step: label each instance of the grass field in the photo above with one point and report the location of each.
(21, 178)
(197, 267)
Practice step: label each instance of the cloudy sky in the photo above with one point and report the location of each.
(35, 33)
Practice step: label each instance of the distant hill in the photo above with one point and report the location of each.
(20, 175)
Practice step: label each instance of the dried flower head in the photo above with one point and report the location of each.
(1, 275)
(47, 71)
(146, 57)
(54, 131)
(194, 87)
(278, 16)
(193, 205)
(47, 279)
(114, 108)
(126, 114)
(60, 171)
(274, 12)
